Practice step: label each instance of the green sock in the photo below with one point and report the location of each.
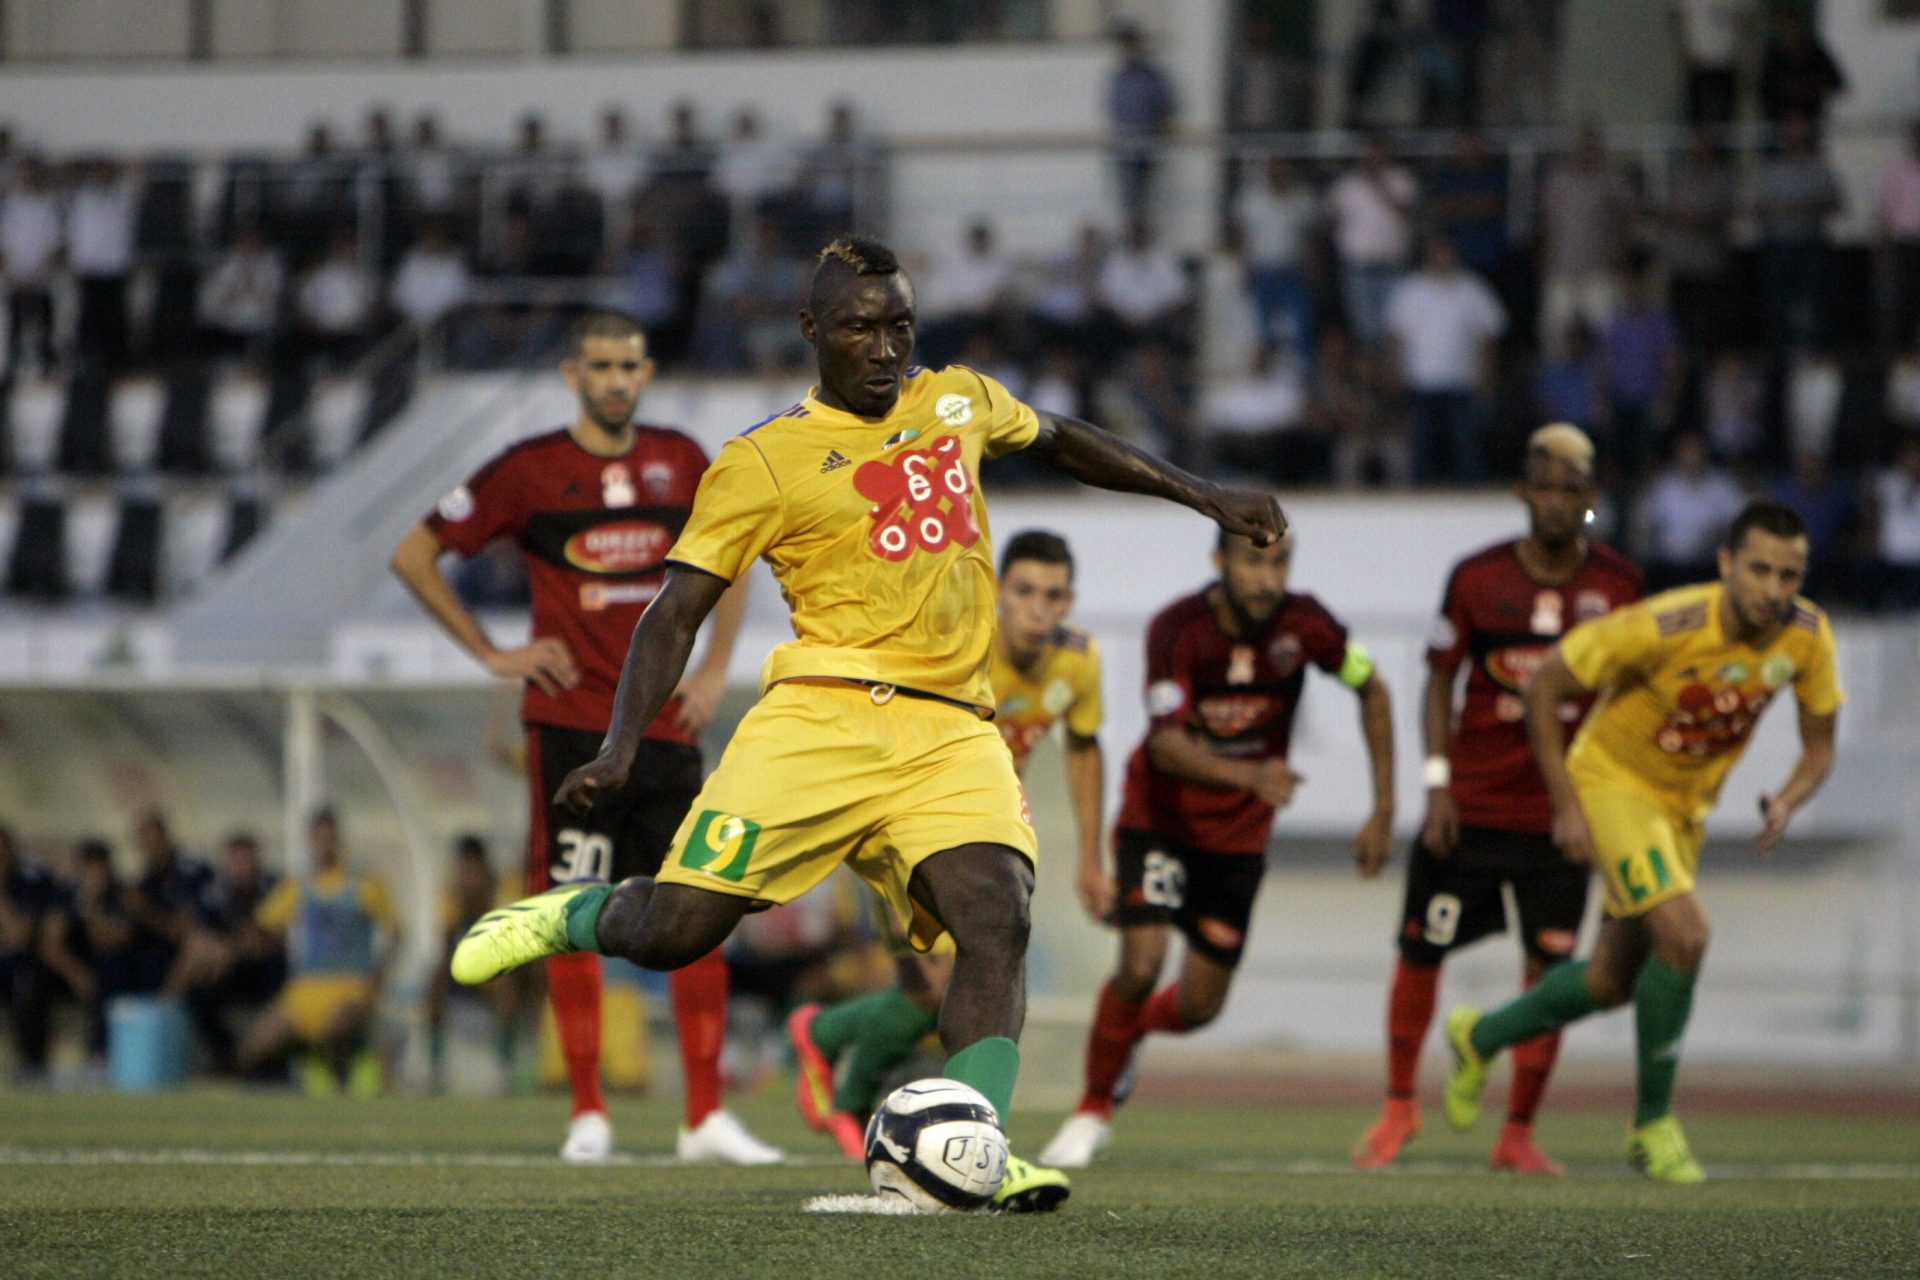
(1557, 999)
(583, 917)
(1662, 999)
(837, 1026)
(991, 1066)
(890, 1032)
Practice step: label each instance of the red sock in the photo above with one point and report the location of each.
(1116, 1029)
(1532, 1064)
(699, 994)
(573, 981)
(1409, 1014)
(1163, 1011)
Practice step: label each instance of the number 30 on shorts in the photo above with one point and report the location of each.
(583, 855)
(1163, 881)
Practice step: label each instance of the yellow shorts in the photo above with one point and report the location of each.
(311, 1004)
(1647, 853)
(817, 775)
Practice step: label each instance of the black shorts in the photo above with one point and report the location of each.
(1455, 901)
(1208, 896)
(627, 832)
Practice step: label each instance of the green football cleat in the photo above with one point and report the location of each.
(1030, 1188)
(1469, 1077)
(1659, 1150)
(516, 934)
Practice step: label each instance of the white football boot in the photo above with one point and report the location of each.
(1081, 1138)
(721, 1139)
(589, 1139)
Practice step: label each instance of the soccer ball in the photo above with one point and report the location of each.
(938, 1145)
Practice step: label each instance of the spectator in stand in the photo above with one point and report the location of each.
(1794, 196)
(1279, 218)
(966, 289)
(472, 891)
(241, 297)
(90, 940)
(1445, 323)
(845, 177)
(1815, 385)
(1059, 388)
(432, 281)
(1273, 68)
(645, 282)
(1903, 387)
(758, 173)
(515, 334)
(693, 217)
(30, 244)
(1734, 396)
(1383, 73)
(1683, 515)
(613, 170)
(1257, 423)
(1358, 407)
(1710, 33)
(1642, 354)
(1228, 323)
(1570, 382)
(228, 970)
(1149, 399)
(99, 241)
(1465, 200)
(1450, 62)
(1586, 209)
(27, 895)
(1833, 517)
(314, 197)
(1372, 207)
(1896, 510)
(1141, 105)
(169, 901)
(1062, 308)
(333, 303)
(530, 175)
(1144, 290)
(1798, 77)
(433, 178)
(1896, 209)
(1696, 238)
(748, 304)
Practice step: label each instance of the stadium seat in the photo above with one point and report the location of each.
(245, 519)
(133, 568)
(133, 418)
(37, 563)
(34, 409)
(196, 521)
(93, 517)
(184, 448)
(84, 447)
(337, 415)
(238, 418)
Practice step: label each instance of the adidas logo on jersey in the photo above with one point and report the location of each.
(835, 461)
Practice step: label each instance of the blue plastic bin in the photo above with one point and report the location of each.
(146, 1044)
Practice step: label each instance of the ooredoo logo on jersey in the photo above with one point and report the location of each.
(624, 546)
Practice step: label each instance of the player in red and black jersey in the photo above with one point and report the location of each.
(1225, 671)
(594, 508)
(1488, 818)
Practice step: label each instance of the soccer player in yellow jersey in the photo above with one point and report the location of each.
(1682, 679)
(1043, 673)
(872, 742)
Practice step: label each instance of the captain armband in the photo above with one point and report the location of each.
(1357, 668)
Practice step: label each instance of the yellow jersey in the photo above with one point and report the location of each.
(1679, 701)
(1063, 682)
(874, 528)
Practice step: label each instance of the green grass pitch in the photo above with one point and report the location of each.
(254, 1184)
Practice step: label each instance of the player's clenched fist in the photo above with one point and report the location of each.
(579, 789)
(1251, 515)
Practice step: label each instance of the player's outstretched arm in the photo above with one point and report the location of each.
(1809, 771)
(655, 659)
(1551, 686)
(1374, 845)
(1105, 461)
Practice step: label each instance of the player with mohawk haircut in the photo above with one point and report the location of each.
(872, 743)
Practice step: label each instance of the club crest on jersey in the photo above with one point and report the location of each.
(616, 485)
(658, 477)
(1286, 654)
(953, 409)
(1164, 697)
(1777, 671)
(456, 506)
(1548, 608)
(922, 500)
